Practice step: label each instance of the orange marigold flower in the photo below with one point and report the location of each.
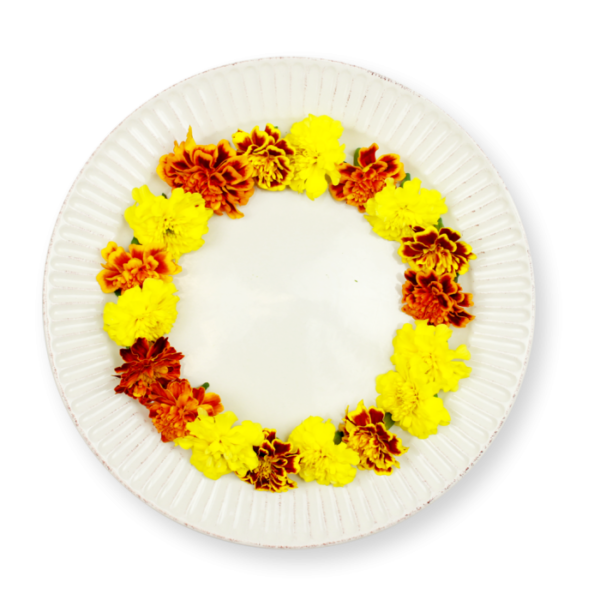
(364, 432)
(222, 177)
(125, 270)
(276, 459)
(436, 250)
(147, 363)
(437, 299)
(177, 404)
(269, 155)
(359, 184)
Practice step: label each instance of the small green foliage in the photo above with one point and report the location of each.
(163, 194)
(439, 224)
(407, 178)
(356, 157)
(118, 292)
(456, 279)
(205, 385)
(436, 395)
(388, 421)
(337, 438)
(135, 241)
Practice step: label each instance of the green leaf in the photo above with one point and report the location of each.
(205, 385)
(456, 279)
(436, 395)
(163, 194)
(276, 127)
(337, 438)
(135, 241)
(439, 224)
(356, 157)
(388, 421)
(118, 292)
(407, 178)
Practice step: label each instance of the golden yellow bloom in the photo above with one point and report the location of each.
(409, 396)
(176, 224)
(218, 448)
(320, 458)
(365, 433)
(429, 345)
(142, 312)
(269, 154)
(318, 152)
(393, 211)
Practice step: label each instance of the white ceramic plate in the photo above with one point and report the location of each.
(291, 311)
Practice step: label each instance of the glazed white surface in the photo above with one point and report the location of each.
(291, 310)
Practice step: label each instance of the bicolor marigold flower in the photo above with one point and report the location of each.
(218, 448)
(427, 248)
(320, 458)
(393, 211)
(147, 363)
(436, 299)
(223, 178)
(365, 432)
(409, 395)
(125, 270)
(317, 154)
(276, 459)
(142, 312)
(177, 404)
(429, 346)
(176, 224)
(359, 184)
(269, 154)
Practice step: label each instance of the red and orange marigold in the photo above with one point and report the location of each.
(276, 459)
(125, 270)
(177, 404)
(147, 363)
(222, 177)
(364, 432)
(269, 155)
(437, 299)
(359, 184)
(436, 250)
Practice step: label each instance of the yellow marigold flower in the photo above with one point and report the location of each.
(176, 224)
(409, 396)
(142, 312)
(365, 432)
(269, 154)
(318, 152)
(393, 211)
(320, 458)
(218, 448)
(441, 251)
(429, 345)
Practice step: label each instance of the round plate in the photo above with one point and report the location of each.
(290, 311)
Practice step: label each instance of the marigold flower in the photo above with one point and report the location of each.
(142, 312)
(317, 154)
(365, 433)
(223, 178)
(437, 299)
(218, 448)
(393, 211)
(269, 155)
(147, 363)
(429, 344)
(359, 184)
(409, 396)
(428, 248)
(320, 458)
(124, 270)
(176, 224)
(275, 460)
(176, 405)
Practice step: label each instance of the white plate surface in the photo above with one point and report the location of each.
(290, 311)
